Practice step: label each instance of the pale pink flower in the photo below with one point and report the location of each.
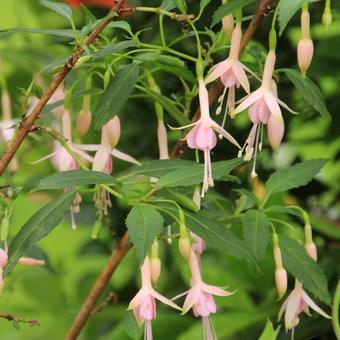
(162, 138)
(199, 297)
(3, 263)
(144, 302)
(298, 301)
(203, 136)
(264, 109)
(231, 72)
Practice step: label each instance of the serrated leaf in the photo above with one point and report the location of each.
(287, 8)
(74, 178)
(144, 224)
(117, 47)
(116, 94)
(294, 176)
(256, 232)
(194, 174)
(228, 8)
(62, 9)
(309, 91)
(168, 106)
(304, 268)
(269, 333)
(37, 227)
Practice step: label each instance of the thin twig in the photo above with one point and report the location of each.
(217, 87)
(10, 317)
(111, 299)
(96, 291)
(27, 121)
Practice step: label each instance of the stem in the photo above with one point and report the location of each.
(161, 11)
(335, 312)
(96, 291)
(161, 30)
(28, 121)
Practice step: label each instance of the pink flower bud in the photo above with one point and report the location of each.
(281, 281)
(305, 52)
(228, 25)
(162, 140)
(113, 130)
(311, 250)
(3, 258)
(184, 245)
(31, 262)
(155, 268)
(84, 120)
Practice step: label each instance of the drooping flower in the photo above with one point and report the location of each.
(231, 72)
(298, 301)
(264, 109)
(144, 302)
(203, 136)
(199, 297)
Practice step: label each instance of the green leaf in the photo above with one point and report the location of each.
(168, 106)
(228, 8)
(304, 268)
(168, 5)
(62, 9)
(122, 24)
(181, 5)
(38, 226)
(204, 3)
(74, 178)
(309, 91)
(57, 32)
(287, 8)
(117, 47)
(116, 94)
(144, 224)
(217, 235)
(269, 333)
(256, 232)
(294, 176)
(250, 195)
(193, 174)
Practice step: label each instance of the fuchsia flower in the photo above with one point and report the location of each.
(298, 301)
(7, 123)
(264, 108)
(231, 72)
(144, 302)
(203, 137)
(199, 297)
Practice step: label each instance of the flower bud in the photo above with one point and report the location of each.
(113, 130)
(327, 18)
(311, 250)
(31, 262)
(228, 25)
(281, 281)
(305, 53)
(184, 245)
(162, 140)
(155, 268)
(84, 120)
(3, 258)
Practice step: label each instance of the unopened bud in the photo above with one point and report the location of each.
(281, 281)
(113, 130)
(162, 140)
(305, 51)
(82, 60)
(4, 227)
(84, 120)
(155, 267)
(311, 250)
(327, 18)
(31, 262)
(3, 258)
(228, 25)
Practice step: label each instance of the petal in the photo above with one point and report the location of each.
(163, 299)
(87, 147)
(293, 303)
(191, 299)
(241, 76)
(180, 295)
(44, 158)
(275, 132)
(273, 105)
(217, 70)
(252, 98)
(183, 127)
(215, 290)
(191, 137)
(125, 157)
(285, 106)
(226, 134)
(137, 300)
(82, 154)
(314, 306)
(282, 309)
(101, 159)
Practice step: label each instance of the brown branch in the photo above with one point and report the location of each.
(111, 299)
(27, 122)
(10, 317)
(216, 89)
(96, 291)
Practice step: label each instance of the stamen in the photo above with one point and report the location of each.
(220, 101)
(258, 132)
(231, 101)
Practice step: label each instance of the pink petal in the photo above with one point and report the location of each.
(241, 76)
(250, 99)
(45, 157)
(125, 157)
(87, 147)
(226, 135)
(205, 137)
(191, 299)
(191, 137)
(215, 290)
(102, 159)
(82, 154)
(273, 106)
(164, 300)
(217, 70)
(285, 106)
(293, 303)
(275, 132)
(137, 300)
(282, 309)
(314, 306)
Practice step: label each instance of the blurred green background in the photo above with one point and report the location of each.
(54, 294)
